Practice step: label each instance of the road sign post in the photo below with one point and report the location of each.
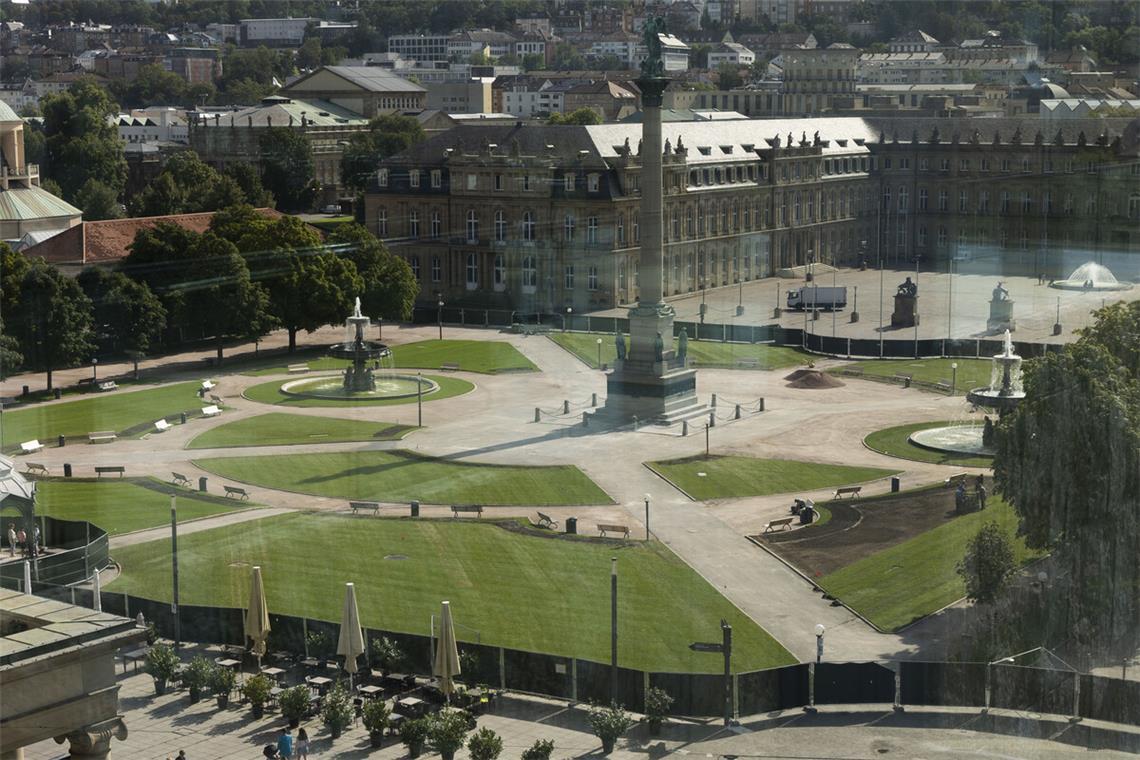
(725, 647)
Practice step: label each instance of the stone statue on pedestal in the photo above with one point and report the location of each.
(906, 305)
(683, 345)
(619, 343)
(1001, 311)
(659, 348)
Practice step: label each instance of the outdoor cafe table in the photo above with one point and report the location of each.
(370, 691)
(274, 673)
(134, 656)
(411, 706)
(320, 682)
(228, 663)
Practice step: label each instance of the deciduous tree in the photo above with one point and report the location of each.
(81, 142)
(287, 168)
(53, 323)
(987, 565)
(389, 286)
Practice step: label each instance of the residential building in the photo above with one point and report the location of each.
(289, 32)
(25, 207)
(916, 41)
(813, 77)
(464, 45)
(75, 38)
(420, 47)
(610, 100)
(993, 45)
(731, 54)
(161, 124)
(124, 66)
(531, 97)
(467, 96)
(368, 90)
(196, 65)
(536, 24)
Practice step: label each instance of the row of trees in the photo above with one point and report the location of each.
(247, 274)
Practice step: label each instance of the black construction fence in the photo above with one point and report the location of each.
(814, 338)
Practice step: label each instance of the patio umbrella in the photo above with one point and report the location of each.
(96, 592)
(257, 616)
(351, 643)
(446, 653)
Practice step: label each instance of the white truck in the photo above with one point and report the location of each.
(812, 297)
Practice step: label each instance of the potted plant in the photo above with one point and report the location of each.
(609, 723)
(162, 664)
(447, 731)
(375, 717)
(385, 654)
(657, 703)
(412, 734)
(319, 644)
(337, 711)
(197, 676)
(540, 750)
(485, 744)
(256, 690)
(222, 682)
(294, 703)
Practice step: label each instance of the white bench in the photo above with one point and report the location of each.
(161, 426)
(30, 447)
(211, 411)
(102, 436)
(208, 385)
(295, 369)
(748, 362)
(107, 385)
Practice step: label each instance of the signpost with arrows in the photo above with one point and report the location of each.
(724, 647)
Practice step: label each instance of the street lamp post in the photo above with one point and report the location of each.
(380, 328)
(439, 318)
(569, 311)
(95, 370)
(174, 571)
(599, 342)
(953, 378)
(819, 631)
(646, 497)
(613, 631)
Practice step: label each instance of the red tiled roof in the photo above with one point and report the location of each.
(107, 241)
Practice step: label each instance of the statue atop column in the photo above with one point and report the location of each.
(653, 65)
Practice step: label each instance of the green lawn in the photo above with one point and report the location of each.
(894, 441)
(116, 410)
(908, 581)
(521, 591)
(730, 476)
(404, 476)
(270, 393)
(585, 347)
(122, 506)
(278, 429)
(486, 356)
(972, 373)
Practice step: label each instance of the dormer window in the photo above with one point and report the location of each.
(414, 178)
(436, 178)
(705, 150)
(593, 183)
(382, 178)
(726, 149)
(568, 182)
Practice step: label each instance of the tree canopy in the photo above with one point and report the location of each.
(81, 142)
(581, 116)
(187, 185)
(287, 168)
(53, 325)
(387, 135)
(389, 286)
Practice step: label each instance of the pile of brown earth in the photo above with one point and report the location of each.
(813, 378)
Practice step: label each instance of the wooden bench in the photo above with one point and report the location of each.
(161, 426)
(449, 367)
(783, 522)
(234, 491)
(749, 362)
(83, 382)
(217, 400)
(546, 522)
(955, 480)
(370, 506)
(904, 379)
(179, 479)
(108, 469)
(30, 447)
(622, 529)
(295, 369)
(211, 411)
(848, 491)
(853, 371)
(37, 468)
(102, 436)
(476, 509)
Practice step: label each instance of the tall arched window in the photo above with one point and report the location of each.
(500, 226)
(472, 225)
(529, 272)
(500, 273)
(528, 226)
(472, 271)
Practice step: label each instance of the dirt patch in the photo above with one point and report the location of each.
(814, 379)
(858, 529)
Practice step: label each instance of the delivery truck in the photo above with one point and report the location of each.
(812, 297)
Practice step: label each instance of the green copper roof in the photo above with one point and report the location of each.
(26, 203)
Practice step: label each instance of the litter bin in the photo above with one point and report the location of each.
(28, 390)
(415, 505)
(202, 485)
(572, 525)
(58, 393)
(67, 470)
(62, 441)
(895, 484)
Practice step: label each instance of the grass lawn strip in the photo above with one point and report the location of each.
(972, 373)
(484, 356)
(899, 585)
(395, 476)
(115, 410)
(585, 347)
(735, 476)
(895, 442)
(270, 393)
(280, 429)
(520, 591)
(123, 506)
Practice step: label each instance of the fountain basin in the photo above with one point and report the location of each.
(389, 386)
(1091, 276)
(957, 439)
(989, 398)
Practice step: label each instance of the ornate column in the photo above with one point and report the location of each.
(94, 739)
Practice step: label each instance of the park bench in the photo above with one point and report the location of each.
(749, 362)
(37, 468)
(944, 386)
(853, 371)
(449, 367)
(107, 385)
(956, 480)
(904, 379)
(161, 426)
(622, 529)
(30, 447)
(102, 436)
(234, 491)
(217, 400)
(108, 469)
(545, 521)
(208, 385)
(179, 479)
(295, 369)
(84, 382)
(370, 506)
(848, 491)
(211, 411)
(783, 522)
(476, 509)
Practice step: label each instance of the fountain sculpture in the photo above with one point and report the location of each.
(358, 377)
(1091, 276)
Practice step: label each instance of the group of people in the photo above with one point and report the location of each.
(286, 747)
(18, 538)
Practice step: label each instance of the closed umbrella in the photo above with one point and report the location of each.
(351, 643)
(257, 616)
(446, 653)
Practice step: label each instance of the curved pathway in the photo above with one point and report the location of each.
(495, 423)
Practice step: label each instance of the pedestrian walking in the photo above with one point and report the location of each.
(302, 745)
(981, 497)
(285, 743)
(12, 539)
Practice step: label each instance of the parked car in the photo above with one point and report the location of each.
(331, 209)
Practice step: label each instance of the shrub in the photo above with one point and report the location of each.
(413, 733)
(485, 744)
(337, 712)
(657, 703)
(256, 689)
(197, 675)
(162, 662)
(222, 680)
(609, 723)
(375, 715)
(542, 749)
(385, 653)
(447, 730)
(294, 702)
(319, 644)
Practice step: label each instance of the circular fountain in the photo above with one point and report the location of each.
(359, 381)
(1091, 276)
(1003, 394)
